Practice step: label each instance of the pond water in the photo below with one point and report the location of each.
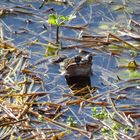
(28, 24)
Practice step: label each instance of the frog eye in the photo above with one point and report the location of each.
(77, 59)
(89, 57)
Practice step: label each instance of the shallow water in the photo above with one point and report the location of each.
(99, 18)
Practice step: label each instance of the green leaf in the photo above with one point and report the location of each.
(115, 126)
(71, 122)
(99, 114)
(129, 74)
(94, 110)
(19, 138)
(51, 50)
(59, 20)
(53, 19)
(64, 18)
(134, 74)
(112, 46)
(53, 16)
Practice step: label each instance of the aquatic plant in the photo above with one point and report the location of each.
(71, 122)
(58, 21)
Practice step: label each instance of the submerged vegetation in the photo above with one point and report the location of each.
(39, 102)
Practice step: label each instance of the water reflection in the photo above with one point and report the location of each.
(79, 82)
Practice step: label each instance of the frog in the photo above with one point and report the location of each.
(77, 66)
